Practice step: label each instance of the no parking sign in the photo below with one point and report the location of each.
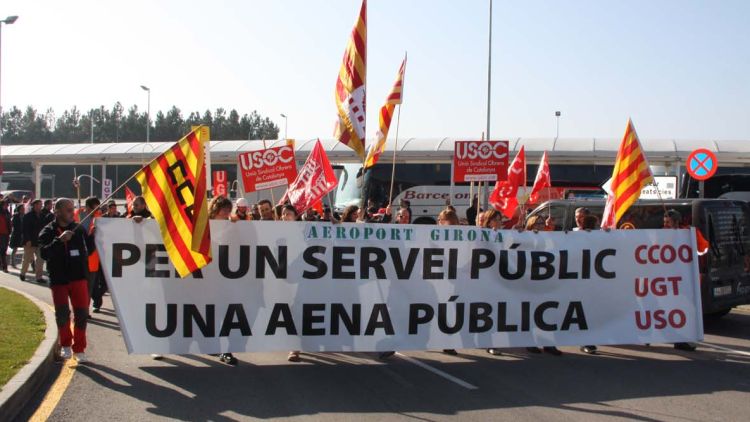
(702, 164)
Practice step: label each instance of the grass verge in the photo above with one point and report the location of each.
(21, 331)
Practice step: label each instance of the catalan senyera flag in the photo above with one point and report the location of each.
(386, 115)
(174, 187)
(350, 88)
(630, 175)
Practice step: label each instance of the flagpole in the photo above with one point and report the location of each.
(78, 187)
(398, 123)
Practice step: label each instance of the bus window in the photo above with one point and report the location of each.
(347, 192)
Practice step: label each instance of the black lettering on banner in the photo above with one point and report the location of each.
(505, 266)
(235, 310)
(541, 265)
(599, 263)
(403, 271)
(480, 320)
(452, 263)
(321, 268)
(443, 316)
(352, 322)
(263, 257)
(152, 261)
(243, 266)
(428, 264)
(119, 261)
(419, 313)
(372, 258)
(525, 311)
(171, 326)
(586, 265)
(502, 319)
(311, 316)
(190, 314)
(564, 273)
(340, 261)
(379, 318)
(281, 317)
(480, 259)
(539, 316)
(574, 315)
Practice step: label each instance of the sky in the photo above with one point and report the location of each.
(679, 68)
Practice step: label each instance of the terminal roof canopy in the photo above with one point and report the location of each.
(563, 150)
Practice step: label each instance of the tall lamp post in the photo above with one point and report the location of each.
(148, 113)
(8, 21)
(285, 125)
(557, 132)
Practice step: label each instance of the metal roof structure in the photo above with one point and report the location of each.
(563, 150)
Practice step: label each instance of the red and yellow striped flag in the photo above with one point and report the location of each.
(174, 187)
(386, 115)
(630, 175)
(350, 88)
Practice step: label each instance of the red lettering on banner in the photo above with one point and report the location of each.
(660, 319)
(220, 182)
(663, 254)
(658, 286)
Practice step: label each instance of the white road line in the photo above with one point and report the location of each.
(725, 349)
(438, 372)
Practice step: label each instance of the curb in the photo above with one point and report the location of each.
(25, 384)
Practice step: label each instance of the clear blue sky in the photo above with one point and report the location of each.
(680, 68)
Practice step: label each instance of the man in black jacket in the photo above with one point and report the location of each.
(33, 222)
(64, 245)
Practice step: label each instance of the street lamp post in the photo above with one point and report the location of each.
(285, 125)
(8, 21)
(557, 132)
(148, 113)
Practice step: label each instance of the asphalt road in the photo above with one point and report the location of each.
(628, 382)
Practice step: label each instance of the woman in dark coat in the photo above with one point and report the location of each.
(16, 234)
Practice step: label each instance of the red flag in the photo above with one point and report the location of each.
(543, 180)
(129, 198)
(505, 196)
(314, 180)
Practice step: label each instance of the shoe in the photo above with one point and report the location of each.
(494, 352)
(156, 356)
(41, 281)
(591, 350)
(293, 357)
(66, 353)
(534, 350)
(687, 347)
(554, 351)
(228, 358)
(451, 352)
(5, 269)
(97, 311)
(22, 277)
(81, 357)
(386, 355)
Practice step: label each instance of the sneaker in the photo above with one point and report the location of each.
(687, 347)
(66, 353)
(22, 277)
(228, 358)
(591, 350)
(451, 352)
(494, 352)
(97, 310)
(156, 356)
(386, 355)
(81, 357)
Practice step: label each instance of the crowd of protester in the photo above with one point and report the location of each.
(62, 235)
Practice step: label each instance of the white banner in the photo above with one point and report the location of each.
(279, 286)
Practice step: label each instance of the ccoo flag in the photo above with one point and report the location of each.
(630, 175)
(386, 115)
(350, 88)
(504, 197)
(174, 187)
(543, 181)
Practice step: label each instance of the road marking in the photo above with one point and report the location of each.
(438, 372)
(56, 391)
(725, 349)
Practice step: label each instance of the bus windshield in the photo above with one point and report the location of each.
(347, 192)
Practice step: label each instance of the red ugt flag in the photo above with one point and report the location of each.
(314, 180)
(505, 196)
(543, 180)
